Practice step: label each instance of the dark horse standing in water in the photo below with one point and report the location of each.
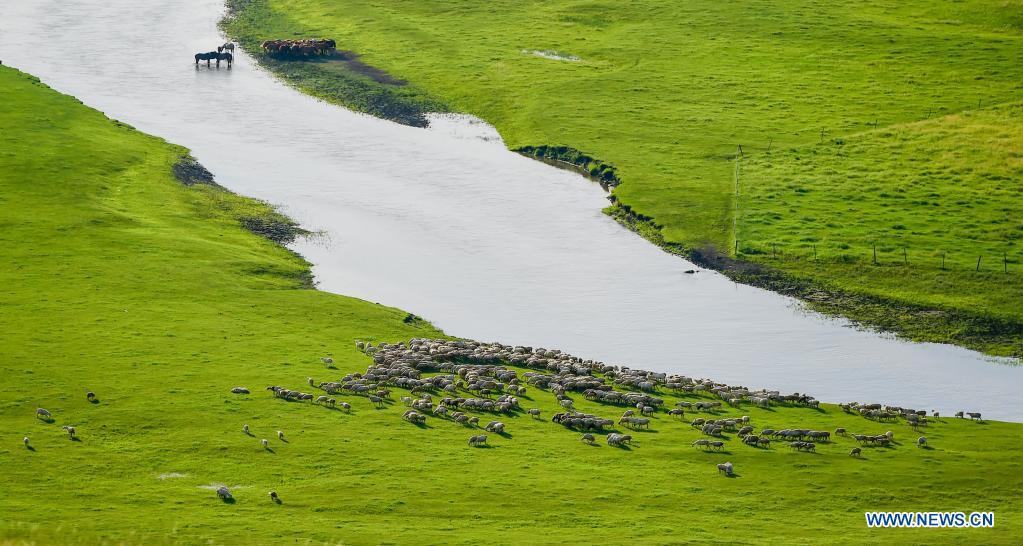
(214, 56)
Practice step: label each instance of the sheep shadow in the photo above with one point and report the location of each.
(30, 448)
(643, 430)
(278, 501)
(422, 425)
(270, 449)
(733, 475)
(228, 500)
(76, 439)
(285, 440)
(94, 401)
(48, 420)
(483, 446)
(928, 448)
(623, 447)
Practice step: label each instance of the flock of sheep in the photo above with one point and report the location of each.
(463, 366)
(460, 366)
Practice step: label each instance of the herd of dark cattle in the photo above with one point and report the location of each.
(456, 367)
(299, 48)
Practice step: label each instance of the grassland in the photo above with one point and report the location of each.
(666, 92)
(120, 280)
(931, 197)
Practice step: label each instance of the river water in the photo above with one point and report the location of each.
(448, 224)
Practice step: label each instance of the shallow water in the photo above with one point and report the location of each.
(449, 225)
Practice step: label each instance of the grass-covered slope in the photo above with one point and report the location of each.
(932, 197)
(119, 280)
(667, 91)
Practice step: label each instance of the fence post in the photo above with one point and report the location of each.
(978, 263)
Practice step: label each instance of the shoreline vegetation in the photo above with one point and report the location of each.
(915, 306)
(137, 306)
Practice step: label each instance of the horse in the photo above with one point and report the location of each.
(209, 55)
(228, 47)
(214, 56)
(225, 57)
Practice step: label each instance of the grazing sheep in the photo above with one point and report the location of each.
(90, 396)
(474, 421)
(407, 400)
(245, 429)
(628, 413)
(327, 360)
(223, 493)
(855, 452)
(376, 400)
(535, 412)
(478, 440)
(588, 438)
(322, 399)
(235, 390)
(764, 442)
(495, 426)
(265, 442)
(717, 444)
(974, 415)
(701, 443)
(69, 430)
(43, 414)
(274, 497)
(331, 402)
(567, 404)
(727, 468)
(280, 435)
(959, 414)
(346, 406)
(890, 435)
(25, 441)
(839, 431)
(921, 441)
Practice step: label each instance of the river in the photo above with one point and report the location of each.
(448, 224)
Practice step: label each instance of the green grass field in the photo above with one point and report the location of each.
(667, 92)
(120, 280)
(933, 196)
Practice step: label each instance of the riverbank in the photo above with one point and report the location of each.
(340, 78)
(677, 157)
(126, 282)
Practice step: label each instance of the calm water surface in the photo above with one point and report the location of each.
(449, 225)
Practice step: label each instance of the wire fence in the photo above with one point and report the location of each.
(881, 255)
